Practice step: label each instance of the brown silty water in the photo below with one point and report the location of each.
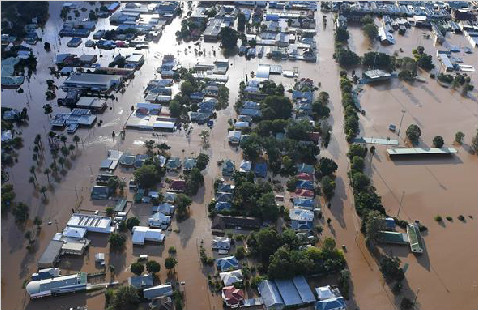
(430, 273)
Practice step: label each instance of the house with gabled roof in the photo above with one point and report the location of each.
(301, 219)
(232, 296)
(228, 168)
(174, 163)
(227, 263)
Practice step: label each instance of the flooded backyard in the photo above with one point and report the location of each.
(445, 276)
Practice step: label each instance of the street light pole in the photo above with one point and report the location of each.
(416, 296)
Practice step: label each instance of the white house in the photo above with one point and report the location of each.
(142, 234)
(231, 277)
(221, 243)
(159, 220)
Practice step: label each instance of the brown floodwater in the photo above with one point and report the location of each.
(419, 189)
(446, 187)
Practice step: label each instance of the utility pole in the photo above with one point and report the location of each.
(401, 120)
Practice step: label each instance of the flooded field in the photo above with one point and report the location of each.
(418, 189)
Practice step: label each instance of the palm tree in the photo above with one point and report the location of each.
(53, 167)
(71, 147)
(76, 139)
(35, 149)
(64, 151)
(204, 136)
(149, 144)
(63, 139)
(47, 109)
(54, 154)
(52, 134)
(38, 141)
(32, 180)
(47, 172)
(43, 191)
(32, 171)
(61, 161)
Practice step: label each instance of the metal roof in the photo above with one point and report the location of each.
(51, 254)
(288, 292)
(421, 151)
(269, 293)
(303, 289)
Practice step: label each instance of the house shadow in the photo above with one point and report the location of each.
(150, 249)
(118, 260)
(60, 302)
(72, 263)
(423, 259)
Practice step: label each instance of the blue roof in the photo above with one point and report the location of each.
(305, 168)
(330, 304)
(250, 105)
(303, 202)
(223, 205)
(305, 185)
(390, 223)
(141, 281)
(251, 112)
(260, 169)
(309, 96)
(227, 263)
(304, 289)
(272, 17)
(288, 292)
(269, 293)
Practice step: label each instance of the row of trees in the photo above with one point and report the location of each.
(351, 124)
(368, 203)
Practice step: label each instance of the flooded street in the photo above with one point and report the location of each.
(445, 276)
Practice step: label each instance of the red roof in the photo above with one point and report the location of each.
(314, 136)
(304, 192)
(232, 296)
(178, 185)
(305, 176)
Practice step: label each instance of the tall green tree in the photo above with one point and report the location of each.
(229, 38)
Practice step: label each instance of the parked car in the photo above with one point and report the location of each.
(74, 42)
(132, 184)
(90, 43)
(392, 127)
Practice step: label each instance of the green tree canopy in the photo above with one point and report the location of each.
(326, 166)
(276, 107)
(413, 133)
(137, 268)
(438, 141)
(371, 31)
(341, 35)
(229, 38)
(153, 266)
(147, 176)
(117, 241)
(125, 298)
